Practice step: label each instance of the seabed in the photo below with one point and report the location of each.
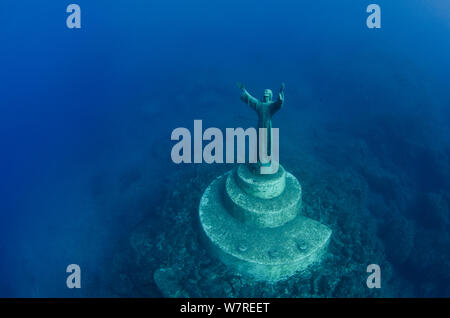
(164, 255)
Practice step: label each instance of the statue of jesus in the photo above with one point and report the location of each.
(265, 109)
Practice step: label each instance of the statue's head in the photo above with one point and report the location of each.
(267, 95)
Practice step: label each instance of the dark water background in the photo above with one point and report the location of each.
(86, 110)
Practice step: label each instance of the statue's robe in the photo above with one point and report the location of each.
(265, 112)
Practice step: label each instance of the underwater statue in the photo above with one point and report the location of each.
(255, 222)
(265, 110)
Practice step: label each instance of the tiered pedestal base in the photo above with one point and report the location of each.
(260, 235)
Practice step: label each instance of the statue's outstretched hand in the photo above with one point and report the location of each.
(281, 94)
(241, 86)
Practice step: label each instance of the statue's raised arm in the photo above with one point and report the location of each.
(276, 105)
(247, 98)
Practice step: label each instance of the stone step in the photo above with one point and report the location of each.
(268, 254)
(265, 186)
(263, 212)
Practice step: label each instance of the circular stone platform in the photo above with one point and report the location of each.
(250, 243)
(266, 186)
(259, 212)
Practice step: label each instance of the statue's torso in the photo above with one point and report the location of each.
(264, 114)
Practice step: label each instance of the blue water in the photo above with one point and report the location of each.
(84, 112)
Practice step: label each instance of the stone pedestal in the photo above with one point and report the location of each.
(253, 224)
